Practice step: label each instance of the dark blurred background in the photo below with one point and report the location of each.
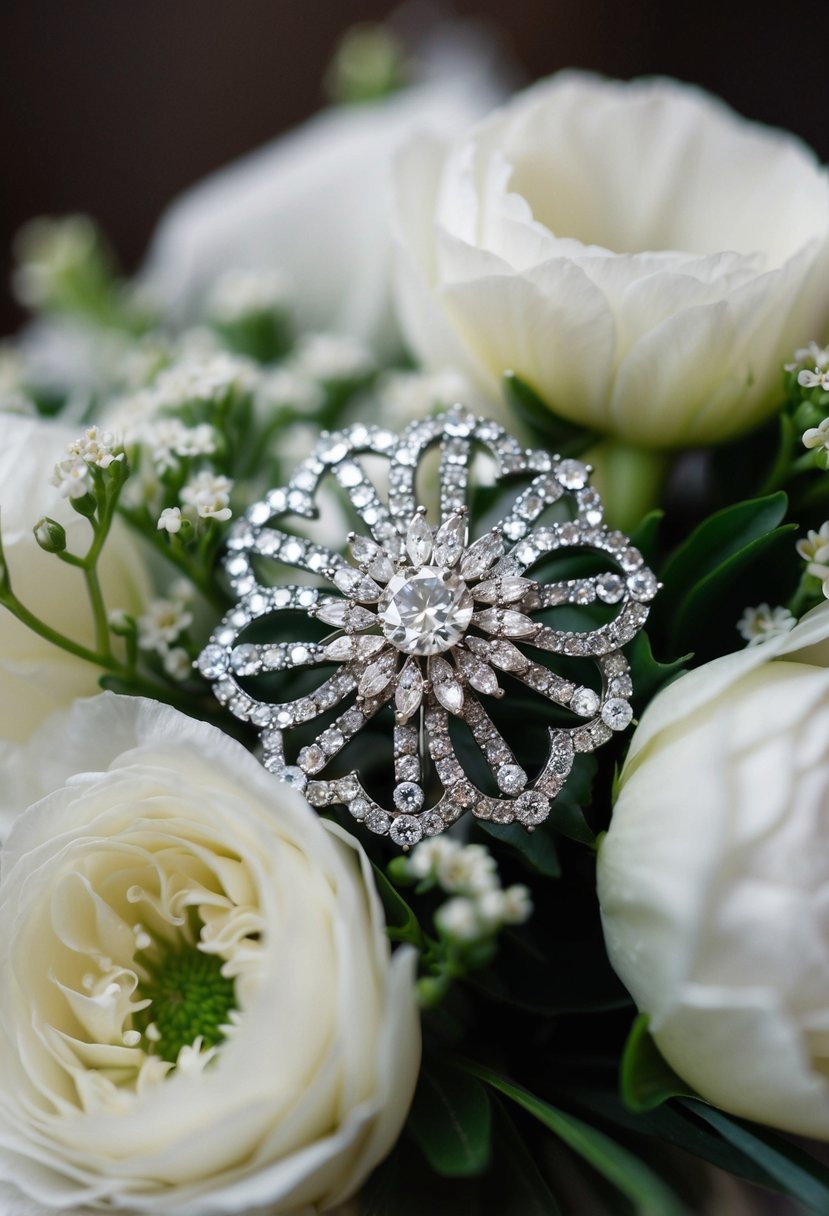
(112, 107)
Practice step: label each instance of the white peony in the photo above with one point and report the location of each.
(35, 676)
(714, 878)
(316, 204)
(641, 256)
(200, 1014)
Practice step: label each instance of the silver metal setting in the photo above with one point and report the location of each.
(429, 620)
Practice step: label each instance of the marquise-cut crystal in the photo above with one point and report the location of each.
(425, 611)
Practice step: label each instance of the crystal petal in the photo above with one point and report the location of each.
(349, 647)
(373, 557)
(356, 584)
(506, 621)
(499, 653)
(482, 554)
(409, 691)
(506, 589)
(479, 674)
(378, 675)
(450, 541)
(419, 541)
(447, 689)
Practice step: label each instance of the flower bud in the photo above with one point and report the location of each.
(85, 505)
(50, 535)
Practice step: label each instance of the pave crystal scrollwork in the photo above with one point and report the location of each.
(431, 622)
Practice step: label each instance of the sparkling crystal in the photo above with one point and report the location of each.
(572, 474)
(213, 661)
(318, 793)
(348, 647)
(506, 589)
(293, 775)
(245, 660)
(419, 541)
(377, 820)
(616, 713)
(368, 553)
(445, 685)
(408, 796)
(331, 740)
(511, 778)
(409, 691)
(481, 555)
(507, 621)
(642, 585)
(449, 541)
(408, 768)
(378, 675)
(500, 653)
(584, 702)
(425, 611)
(356, 584)
(479, 674)
(531, 808)
(311, 758)
(359, 807)
(406, 831)
(610, 588)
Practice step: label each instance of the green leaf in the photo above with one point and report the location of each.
(540, 417)
(798, 1174)
(707, 596)
(451, 1120)
(646, 536)
(536, 849)
(402, 924)
(645, 1079)
(649, 674)
(567, 817)
(719, 537)
(645, 1189)
(516, 1186)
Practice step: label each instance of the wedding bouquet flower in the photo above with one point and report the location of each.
(414, 669)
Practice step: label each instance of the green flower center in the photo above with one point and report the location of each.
(190, 998)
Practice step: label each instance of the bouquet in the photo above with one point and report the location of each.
(414, 656)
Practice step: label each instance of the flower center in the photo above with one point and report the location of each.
(425, 611)
(190, 999)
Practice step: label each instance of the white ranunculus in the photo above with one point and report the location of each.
(35, 676)
(316, 204)
(640, 255)
(714, 878)
(164, 849)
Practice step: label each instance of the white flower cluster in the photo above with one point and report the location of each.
(480, 905)
(814, 549)
(72, 475)
(208, 495)
(764, 622)
(162, 625)
(240, 293)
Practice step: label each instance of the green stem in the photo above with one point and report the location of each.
(629, 479)
(27, 618)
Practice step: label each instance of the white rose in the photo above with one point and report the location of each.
(641, 256)
(278, 1067)
(713, 878)
(35, 676)
(316, 205)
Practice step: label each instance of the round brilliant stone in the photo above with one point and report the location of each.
(531, 808)
(406, 831)
(616, 713)
(584, 702)
(425, 611)
(408, 796)
(293, 775)
(511, 778)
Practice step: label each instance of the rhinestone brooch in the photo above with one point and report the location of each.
(429, 622)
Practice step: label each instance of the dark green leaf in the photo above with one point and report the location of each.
(646, 536)
(707, 596)
(515, 1185)
(649, 675)
(402, 924)
(798, 1174)
(645, 1189)
(536, 849)
(567, 817)
(645, 1079)
(717, 538)
(451, 1120)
